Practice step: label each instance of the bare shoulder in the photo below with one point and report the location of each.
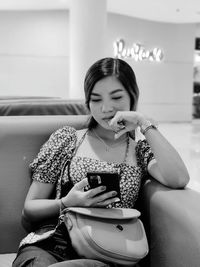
(80, 133)
(133, 143)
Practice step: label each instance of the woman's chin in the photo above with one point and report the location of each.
(105, 125)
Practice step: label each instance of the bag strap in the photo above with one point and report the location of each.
(65, 188)
(115, 213)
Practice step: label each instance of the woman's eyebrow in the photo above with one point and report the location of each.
(95, 94)
(116, 91)
(111, 93)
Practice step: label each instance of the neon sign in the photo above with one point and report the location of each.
(137, 52)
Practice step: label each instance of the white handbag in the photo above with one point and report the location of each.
(110, 235)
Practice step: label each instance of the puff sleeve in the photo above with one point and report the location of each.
(47, 166)
(144, 154)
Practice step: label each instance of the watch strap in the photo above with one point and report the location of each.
(146, 127)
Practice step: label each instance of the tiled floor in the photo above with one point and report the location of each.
(185, 137)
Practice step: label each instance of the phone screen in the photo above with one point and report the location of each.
(108, 179)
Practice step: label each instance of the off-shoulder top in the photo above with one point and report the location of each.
(50, 165)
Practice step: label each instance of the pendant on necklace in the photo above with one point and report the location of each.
(107, 149)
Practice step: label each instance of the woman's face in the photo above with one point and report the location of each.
(108, 96)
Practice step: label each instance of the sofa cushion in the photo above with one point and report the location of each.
(7, 259)
(21, 137)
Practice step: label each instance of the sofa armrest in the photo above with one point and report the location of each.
(174, 225)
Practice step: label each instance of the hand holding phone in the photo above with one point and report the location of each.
(108, 179)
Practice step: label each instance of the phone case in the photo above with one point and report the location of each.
(108, 179)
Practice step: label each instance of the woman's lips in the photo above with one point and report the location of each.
(107, 119)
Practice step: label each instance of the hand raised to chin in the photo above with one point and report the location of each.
(125, 121)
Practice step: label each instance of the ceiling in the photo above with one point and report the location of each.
(171, 11)
(175, 11)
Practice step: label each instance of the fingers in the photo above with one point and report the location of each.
(92, 198)
(107, 197)
(120, 133)
(80, 185)
(98, 199)
(95, 191)
(117, 123)
(107, 202)
(123, 122)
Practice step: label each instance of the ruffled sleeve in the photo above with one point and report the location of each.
(47, 166)
(144, 154)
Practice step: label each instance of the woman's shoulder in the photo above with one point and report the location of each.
(60, 138)
(144, 152)
(141, 147)
(65, 130)
(142, 143)
(80, 133)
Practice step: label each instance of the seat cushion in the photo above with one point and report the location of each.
(7, 259)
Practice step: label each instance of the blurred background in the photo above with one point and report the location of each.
(46, 47)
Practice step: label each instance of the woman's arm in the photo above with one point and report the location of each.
(169, 169)
(38, 206)
(45, 169)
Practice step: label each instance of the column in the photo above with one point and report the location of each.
(87, 40)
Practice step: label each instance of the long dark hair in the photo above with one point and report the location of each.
(111, 67)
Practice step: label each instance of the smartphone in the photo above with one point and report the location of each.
(108, 179)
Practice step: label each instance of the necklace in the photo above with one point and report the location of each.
(109, 147)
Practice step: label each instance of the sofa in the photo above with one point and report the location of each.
(31, 106)
(171, 217)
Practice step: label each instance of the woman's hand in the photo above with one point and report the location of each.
(77, 197)
(126, 121)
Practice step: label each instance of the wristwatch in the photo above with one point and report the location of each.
(147, 126)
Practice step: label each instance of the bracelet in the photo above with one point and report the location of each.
(148, 128)
(148, 125)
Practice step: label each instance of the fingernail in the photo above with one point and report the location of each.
(114, 193)
(116, 136)
(122, 127)
(103, 188)
(117, 199)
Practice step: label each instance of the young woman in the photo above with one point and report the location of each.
(60, 169)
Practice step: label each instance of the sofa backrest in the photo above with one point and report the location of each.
(20, 140)
(31, 106)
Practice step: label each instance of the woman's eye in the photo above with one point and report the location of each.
(95, 100)
(117, 97)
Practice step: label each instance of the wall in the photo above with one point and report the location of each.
(166, 88)
(34, 59)
(34, 53)
(198, 30)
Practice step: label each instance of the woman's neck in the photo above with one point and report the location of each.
(107, 135)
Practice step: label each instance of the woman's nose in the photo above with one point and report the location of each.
(107, 106)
